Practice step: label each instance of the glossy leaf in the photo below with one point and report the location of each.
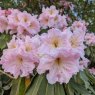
(33, 90)
(4, 38)
(49, 89)
(85, 79)
(59, 90)
(69, 89)
(42, 88)
(91, 77)
(18, 87)
(79, 88)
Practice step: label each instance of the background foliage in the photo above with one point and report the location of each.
(83, 9)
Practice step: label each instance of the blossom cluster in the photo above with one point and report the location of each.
(92, 70)
(18, 22)
(59, 52)
(90, 39)
(51, 18)
(20, 57)
(24, 23)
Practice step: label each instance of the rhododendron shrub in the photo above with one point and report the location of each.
(55, 58)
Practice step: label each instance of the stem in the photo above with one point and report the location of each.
(6, 74)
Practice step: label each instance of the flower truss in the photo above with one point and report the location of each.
(59, 52)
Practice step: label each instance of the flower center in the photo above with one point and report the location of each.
(55, 43)
(58, 61)
(74, 42)
(25, 19)
(56, 18)
(32, 25)
(28, 48)
(13, 46)
(46, 20)
(20, 59)
(16, 18)
(51, 12)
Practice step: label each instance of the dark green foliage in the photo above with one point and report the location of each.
(81, 84)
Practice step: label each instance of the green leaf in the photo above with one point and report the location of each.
(2, 44)
(43, 31)
(18, 87)
(92, 90)
(90, 76)
(85, 79)
(1, 91)
(88, 52)
(59, 90)
(4, 38)
(49, 89)
(42, 88)
(33, 90)
(79, 88)
(69, 90)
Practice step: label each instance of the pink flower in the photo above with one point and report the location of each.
(79, 26)
(66, 4)
(17, 63)
(60, 52)
(92, 71)
(90, 39)
(61, 66)
(23, 23)
(24, 18)
(84, 63)
(7, 12)
(51, 12)
(57, 57)
(13, 20)
(3, 24)
(30, 46)
(44, 20)
(62, 22)
(22, 31)
(76, 41)
(58, 22)
(50, 18)
(15, 43)
(14, 11)
(2, 12)
(54, 39)
(34, 26)
(20, 58)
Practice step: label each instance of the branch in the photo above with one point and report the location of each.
(7, 74)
